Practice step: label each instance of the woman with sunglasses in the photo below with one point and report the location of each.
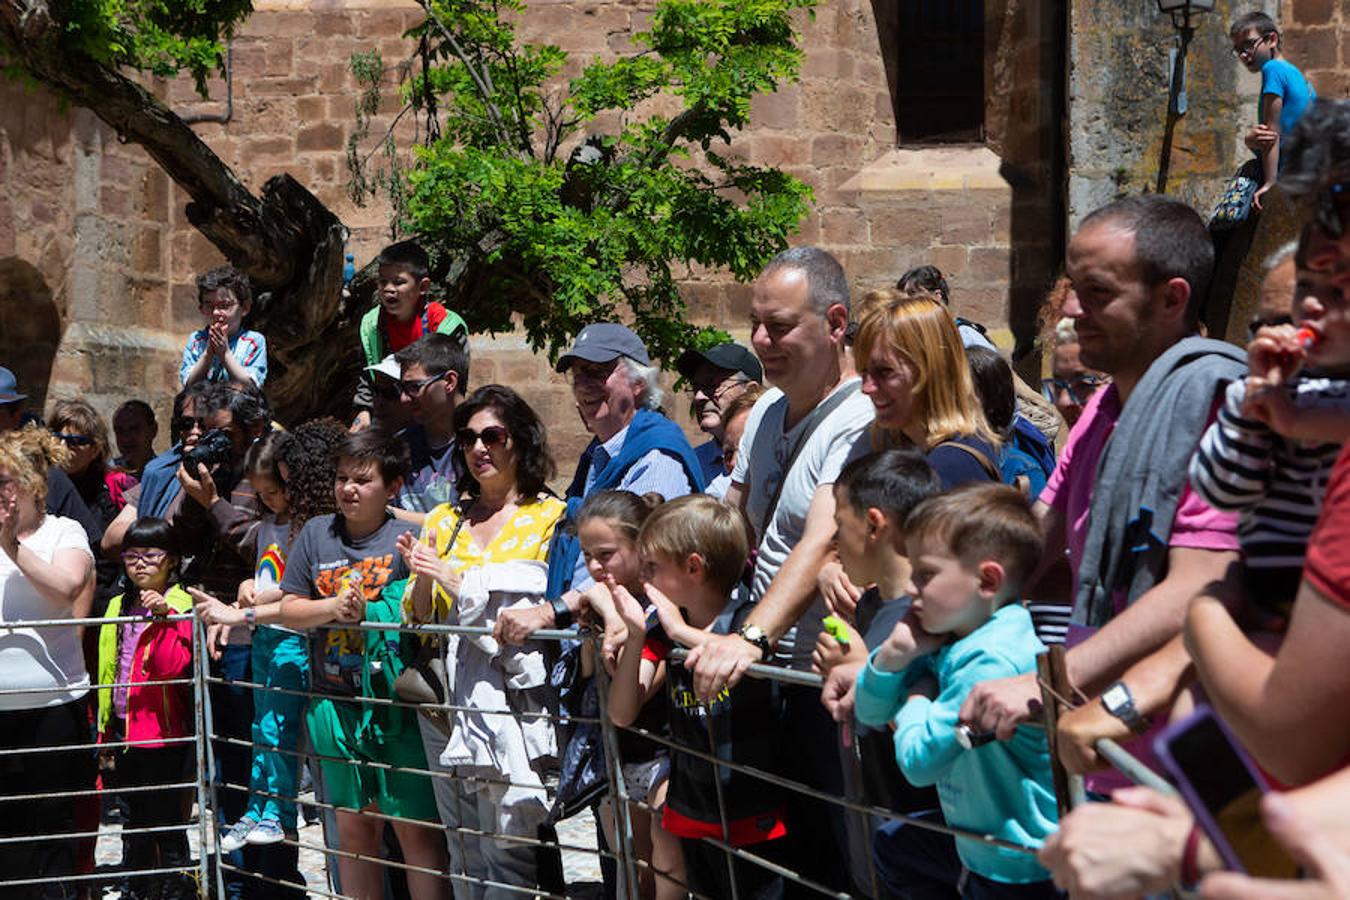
(46, 573)
(1072, 384)
(505, 517)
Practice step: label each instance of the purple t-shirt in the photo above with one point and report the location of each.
(126, 653)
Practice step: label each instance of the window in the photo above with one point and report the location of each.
(939, 95)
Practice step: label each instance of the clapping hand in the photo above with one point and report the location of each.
(351, 602)
(425, 562)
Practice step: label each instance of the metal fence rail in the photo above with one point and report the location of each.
(211, 868)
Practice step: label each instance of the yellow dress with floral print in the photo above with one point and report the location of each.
(526, 536)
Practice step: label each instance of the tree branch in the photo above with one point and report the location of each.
(484, 91)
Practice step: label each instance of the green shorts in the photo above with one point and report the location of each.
(332, 731)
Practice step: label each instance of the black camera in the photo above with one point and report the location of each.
(212, 448)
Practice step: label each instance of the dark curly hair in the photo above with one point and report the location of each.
(310, 455)
(534, 461)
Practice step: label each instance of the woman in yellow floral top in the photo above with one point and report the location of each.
(505, 514)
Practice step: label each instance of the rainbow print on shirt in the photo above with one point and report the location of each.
(271, 566)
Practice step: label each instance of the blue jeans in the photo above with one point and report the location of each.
(919, 864)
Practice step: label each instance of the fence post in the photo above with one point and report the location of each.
(207, 775)
(199, 716)
(618, 791)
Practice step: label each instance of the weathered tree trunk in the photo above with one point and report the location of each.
(289, 244)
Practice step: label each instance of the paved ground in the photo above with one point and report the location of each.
(581, 868)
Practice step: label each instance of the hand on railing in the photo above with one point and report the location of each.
(1002, 704)
(155, 603)
(837, 694)
(1079, 730)
(1127, 848)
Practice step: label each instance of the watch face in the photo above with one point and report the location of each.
(752, 632)
(1116, 696)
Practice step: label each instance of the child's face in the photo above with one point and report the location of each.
(400, 293)
(681, 582)
(609, 552)
(269, 491)
(947, 594)
(1253, 49)
(850, 538)
(1321, 302)
(148, 567)
(361, 491)
(221, 305)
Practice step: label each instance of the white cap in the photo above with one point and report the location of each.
(388, 367)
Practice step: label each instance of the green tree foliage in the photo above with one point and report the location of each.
(533, 208)
(162, 37)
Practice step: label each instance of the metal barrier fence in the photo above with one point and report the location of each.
(211, 869)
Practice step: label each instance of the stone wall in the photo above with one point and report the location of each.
(91, 222)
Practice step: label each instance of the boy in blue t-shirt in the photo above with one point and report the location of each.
(1285, 93)
(224, 350)
(969, 551)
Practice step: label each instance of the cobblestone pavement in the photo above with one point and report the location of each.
(581, 869)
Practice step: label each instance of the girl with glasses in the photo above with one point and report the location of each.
(138, 662)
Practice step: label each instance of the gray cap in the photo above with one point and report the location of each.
(731, 357)
(603, 342)
(9, 387)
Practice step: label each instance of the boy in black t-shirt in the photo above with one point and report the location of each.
(693, 552)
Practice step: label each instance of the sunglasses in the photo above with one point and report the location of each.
(184, 424)
(416, 386)
(1080, 387)
(592, 372)
(150, 557)
(75, 440)
(492, 436)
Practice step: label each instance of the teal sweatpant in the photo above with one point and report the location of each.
(280, 660)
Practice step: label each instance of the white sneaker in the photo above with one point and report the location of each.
(268, 831)
(237, 836)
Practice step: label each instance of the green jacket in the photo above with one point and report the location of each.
(372, 342)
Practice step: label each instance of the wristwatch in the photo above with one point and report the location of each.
(755, 635)
(1119, 702)
(562, 613)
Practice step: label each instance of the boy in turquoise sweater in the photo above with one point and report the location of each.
(969, 551)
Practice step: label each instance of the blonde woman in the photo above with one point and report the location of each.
(914, 369)
(46, 573)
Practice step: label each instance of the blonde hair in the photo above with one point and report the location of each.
(28, 453)
(86, 419)
(918, 328)
(697, 523)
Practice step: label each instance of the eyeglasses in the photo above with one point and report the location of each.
(416, 386)
(149, 557)
(75, 440)
(1260, 322)
(1080, 387)
(592, 372)
(1246, 47)
(184, 424)
(492, 436)
(715, 390)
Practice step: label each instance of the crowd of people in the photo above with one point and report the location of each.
(880, 501)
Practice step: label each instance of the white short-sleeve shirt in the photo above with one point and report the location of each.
(763, 453)
(47, 660)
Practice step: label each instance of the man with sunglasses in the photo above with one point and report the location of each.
(1285, 93)
(433, 375)
(716, 377)
(62, 497)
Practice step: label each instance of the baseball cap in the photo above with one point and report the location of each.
(602, 342)
(732, 357)
(387, 367)
(9, 387)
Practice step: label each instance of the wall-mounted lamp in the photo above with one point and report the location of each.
(1183, 11)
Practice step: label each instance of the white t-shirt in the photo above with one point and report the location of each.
(759, 466)
(48, 659)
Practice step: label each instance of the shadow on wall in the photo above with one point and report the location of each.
(30, 328)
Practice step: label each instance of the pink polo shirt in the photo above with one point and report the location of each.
(1069, 489)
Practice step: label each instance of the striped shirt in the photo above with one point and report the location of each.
(1275, 483)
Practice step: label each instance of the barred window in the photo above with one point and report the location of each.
(939, 96)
